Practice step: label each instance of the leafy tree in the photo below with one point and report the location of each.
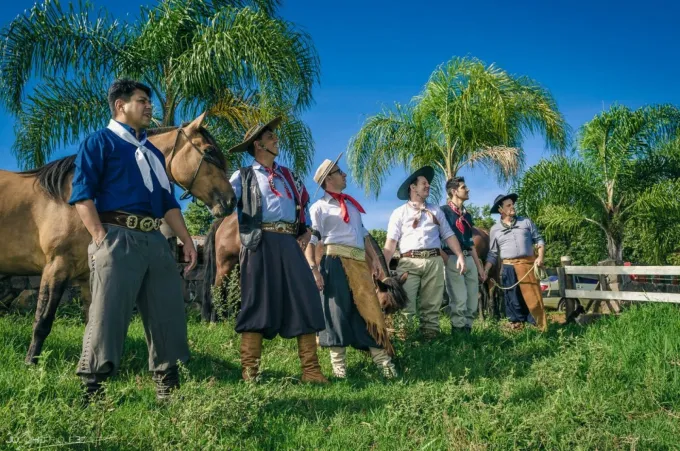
(380, 236)
(198, 218)
(481, 216)
(236, 58)
(468, 114)
(624, 181)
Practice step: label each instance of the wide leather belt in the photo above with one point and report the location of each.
(341, 250)
(130, 221)
(280, 227)
(466, 252)
(421, 253)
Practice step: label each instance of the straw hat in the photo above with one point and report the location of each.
(323, 170)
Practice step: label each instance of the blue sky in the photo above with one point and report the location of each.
(589, 54)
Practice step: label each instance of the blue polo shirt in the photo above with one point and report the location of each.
(107, 172)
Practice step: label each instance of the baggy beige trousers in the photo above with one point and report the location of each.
(424, 287)
(131, 267)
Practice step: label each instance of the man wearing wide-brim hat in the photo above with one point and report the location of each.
(352, 311)
(278, 293)
(513, 240)
(419, 227)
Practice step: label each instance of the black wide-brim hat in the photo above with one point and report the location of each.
(499, 200)
(425, 171)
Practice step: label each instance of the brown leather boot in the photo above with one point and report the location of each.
(251, 351)
(311, 370)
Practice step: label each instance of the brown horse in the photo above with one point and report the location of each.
(43, 234)
(221, 254)
(491, 297)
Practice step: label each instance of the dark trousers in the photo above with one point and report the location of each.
(515, 308)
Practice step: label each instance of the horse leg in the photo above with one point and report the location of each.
(52, 285)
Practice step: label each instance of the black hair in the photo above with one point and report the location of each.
(123, 89)
(453, 184)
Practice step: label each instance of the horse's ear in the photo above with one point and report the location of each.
(403, 278)
(379, 283)
(196, 123)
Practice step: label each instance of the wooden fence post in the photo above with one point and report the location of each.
(567, 283)
(607, 285)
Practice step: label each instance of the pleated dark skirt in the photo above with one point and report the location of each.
(278, 292)
(344, 324)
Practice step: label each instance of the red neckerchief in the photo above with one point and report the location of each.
(341, 197)
(462, 220)
(272, 173)
(300, 191)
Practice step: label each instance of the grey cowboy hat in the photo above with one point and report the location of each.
(499, 200)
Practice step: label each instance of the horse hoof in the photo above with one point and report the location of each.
(32, 356)
(31, 360)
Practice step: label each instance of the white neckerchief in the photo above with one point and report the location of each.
(142, 162)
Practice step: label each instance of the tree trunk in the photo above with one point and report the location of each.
(615, 248)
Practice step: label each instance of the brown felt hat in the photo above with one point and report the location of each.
(252, 134)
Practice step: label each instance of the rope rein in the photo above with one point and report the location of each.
(537, 272)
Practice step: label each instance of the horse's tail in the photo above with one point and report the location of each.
(209, 271)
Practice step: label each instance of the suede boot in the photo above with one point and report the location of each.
(311, 370)
(251, 352)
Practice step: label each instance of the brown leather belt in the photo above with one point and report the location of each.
(280, 227)
(466, 252)
(130, 221)
(421, 253)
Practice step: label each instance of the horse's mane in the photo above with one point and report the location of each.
(52, 176)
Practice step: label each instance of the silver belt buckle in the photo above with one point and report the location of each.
(131, 221)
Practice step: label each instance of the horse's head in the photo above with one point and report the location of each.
(195, 163)
(390, 291)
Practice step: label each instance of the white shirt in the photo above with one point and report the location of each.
(274, 208)
(327, 220)
(426, 236)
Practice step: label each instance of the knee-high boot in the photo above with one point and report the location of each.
(311, 370)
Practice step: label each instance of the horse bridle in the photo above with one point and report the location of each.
(204, 156)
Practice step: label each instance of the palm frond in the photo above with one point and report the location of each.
(248, 49)
(51, 42)
(561, 181)
(557, 220)
(504, 162)
(388, 138)
(58, 114)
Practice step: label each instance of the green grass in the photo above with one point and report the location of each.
(612, 385)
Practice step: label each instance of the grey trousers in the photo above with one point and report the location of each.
(463, 290)
(131, 267)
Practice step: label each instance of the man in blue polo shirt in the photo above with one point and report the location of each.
(121, 191)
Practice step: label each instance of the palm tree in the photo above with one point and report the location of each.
(468, 114)
(194, 54)
(628, 164)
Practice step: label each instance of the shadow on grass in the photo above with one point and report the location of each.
(489, 352)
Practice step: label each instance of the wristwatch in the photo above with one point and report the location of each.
(313, 267)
